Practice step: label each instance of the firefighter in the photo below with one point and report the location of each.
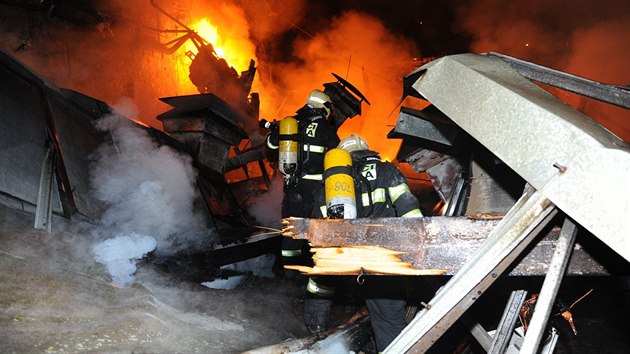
(340, 201)
(301, 142)
(381, 190)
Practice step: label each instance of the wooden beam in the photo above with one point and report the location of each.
(415, 246)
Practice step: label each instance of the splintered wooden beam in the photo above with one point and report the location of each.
(361, 260)
(415, 246)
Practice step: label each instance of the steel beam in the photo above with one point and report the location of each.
(505, 328)
(428, 124)
(613, 94)
(43, 210)
(478, 332)
(550, 288)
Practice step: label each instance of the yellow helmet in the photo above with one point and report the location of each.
(353, 142)
(318, 99)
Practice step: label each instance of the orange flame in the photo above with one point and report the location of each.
(223, 47)
(230, 50)
(281, 97)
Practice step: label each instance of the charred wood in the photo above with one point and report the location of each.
(418, 246)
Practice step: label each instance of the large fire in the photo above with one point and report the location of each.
(285, 85)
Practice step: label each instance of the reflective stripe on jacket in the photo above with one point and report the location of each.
(381, 189)
(319, 289)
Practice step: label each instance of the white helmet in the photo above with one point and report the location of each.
(353, 142)
(318, 99)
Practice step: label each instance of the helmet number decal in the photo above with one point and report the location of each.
(311, 129)
(369, 171)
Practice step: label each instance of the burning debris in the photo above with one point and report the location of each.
(211, 73)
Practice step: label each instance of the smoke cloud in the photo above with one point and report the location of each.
(126, 57)
(269, 20)
(296, 51)
(359, 48)
(354, 45)
(149, 191)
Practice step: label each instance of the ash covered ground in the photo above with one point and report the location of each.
(54, 297)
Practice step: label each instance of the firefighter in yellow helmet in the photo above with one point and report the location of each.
(301, 144)
(381, 190)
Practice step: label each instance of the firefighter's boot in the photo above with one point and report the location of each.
(317, 313)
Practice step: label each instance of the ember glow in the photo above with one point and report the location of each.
(232, 50)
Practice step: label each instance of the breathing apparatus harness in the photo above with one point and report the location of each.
(348, 192)
(359, 159)
(293, 151)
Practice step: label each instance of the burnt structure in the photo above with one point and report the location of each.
(346, 100)
(207, 124)
(49, 136)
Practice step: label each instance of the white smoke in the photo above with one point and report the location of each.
(149, 191)
(335, 343)
(120, 254)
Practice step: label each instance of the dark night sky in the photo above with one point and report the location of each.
(429, 23)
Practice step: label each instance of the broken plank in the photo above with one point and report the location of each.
(361, 259)
(439, 245)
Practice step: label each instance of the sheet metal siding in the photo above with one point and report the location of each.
(530, 130)
(22, 138)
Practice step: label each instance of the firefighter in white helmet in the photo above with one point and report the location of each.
(301, 144)
(381, 190)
